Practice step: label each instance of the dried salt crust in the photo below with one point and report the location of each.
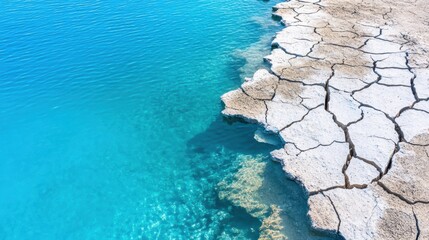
(348, 93)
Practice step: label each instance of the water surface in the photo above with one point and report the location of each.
(110, 124)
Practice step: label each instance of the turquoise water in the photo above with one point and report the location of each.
(110, 119)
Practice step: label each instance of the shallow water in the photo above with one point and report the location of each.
(110, 124)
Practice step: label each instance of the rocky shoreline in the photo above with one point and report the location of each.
(348, 94)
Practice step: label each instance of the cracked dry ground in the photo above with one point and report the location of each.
(348, 93)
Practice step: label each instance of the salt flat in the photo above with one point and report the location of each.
(347, 92)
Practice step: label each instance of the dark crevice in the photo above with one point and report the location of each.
(320, 145)
(360, 50)
(336, 212)
(352, 151)
(417, 225)
(327, 96)
(325, 190)
(413, 87)
(374, 69)
(275, 90)
(372, 163)
(358, 120)
(398, 131)
(399, 195)
(392, 85)
(266, 112)
(302, 118)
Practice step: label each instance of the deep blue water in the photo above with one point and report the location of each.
(110, 123)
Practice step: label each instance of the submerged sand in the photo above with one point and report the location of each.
(348, 93)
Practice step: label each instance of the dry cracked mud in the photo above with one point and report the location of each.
(348, 94)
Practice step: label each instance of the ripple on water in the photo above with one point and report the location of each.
(110, 126)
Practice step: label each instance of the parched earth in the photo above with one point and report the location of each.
(348, 93)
